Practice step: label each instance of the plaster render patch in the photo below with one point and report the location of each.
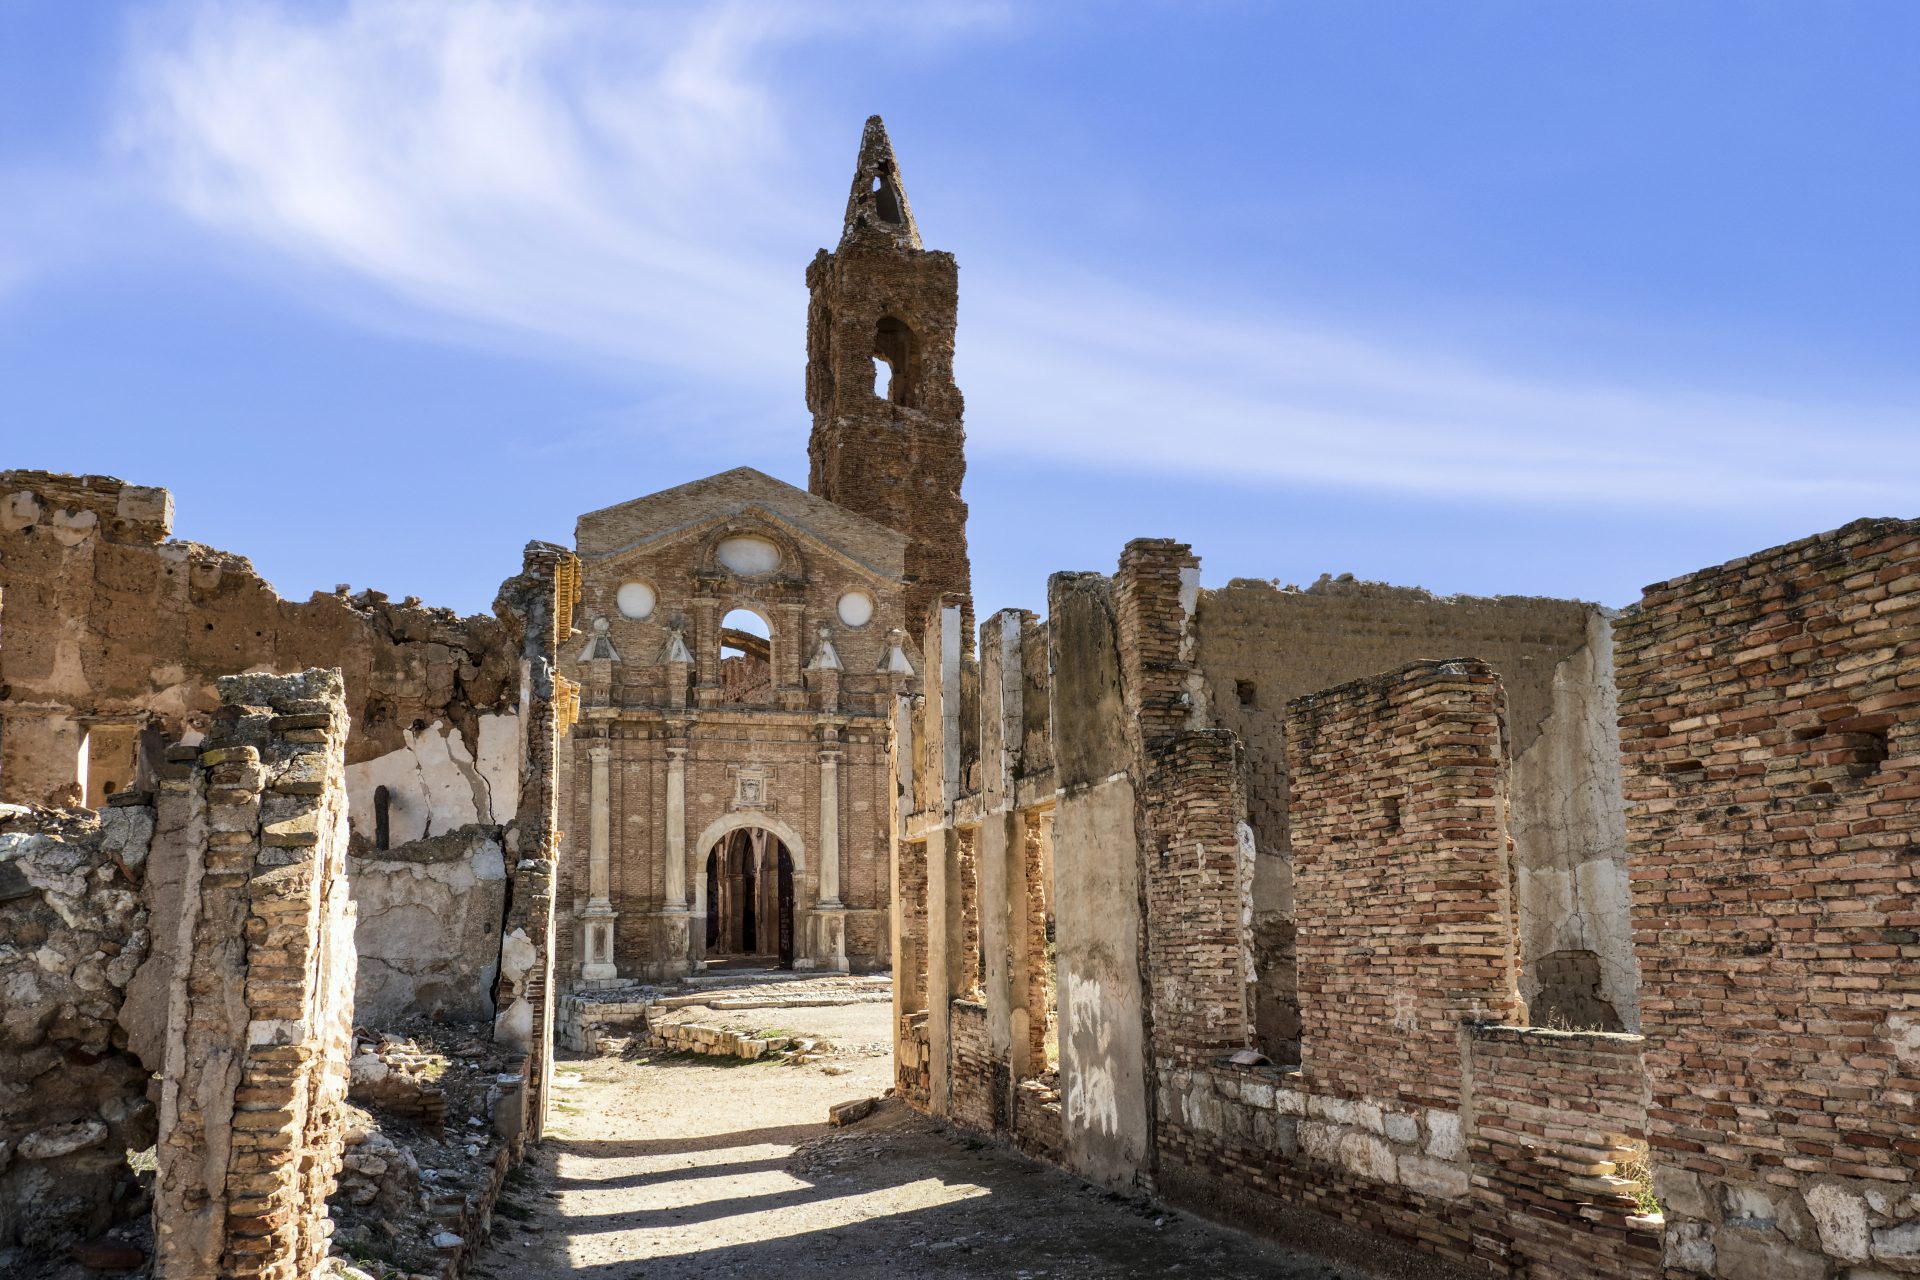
(433, 785)
(499, 765)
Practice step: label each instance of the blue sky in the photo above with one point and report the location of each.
(1494, 297)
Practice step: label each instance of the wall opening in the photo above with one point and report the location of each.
(746, 659)
(886, 200)
(382, 818)
(750, 894)
(895, 362)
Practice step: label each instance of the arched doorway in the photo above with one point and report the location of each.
(750, 890)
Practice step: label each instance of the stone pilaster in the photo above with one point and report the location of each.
(598, 918)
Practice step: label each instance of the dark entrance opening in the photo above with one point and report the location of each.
(750, 894)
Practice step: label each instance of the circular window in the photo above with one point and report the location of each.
(748, 556)
(856, 608)
(635, 600)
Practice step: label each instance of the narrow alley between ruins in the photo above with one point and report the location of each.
(669, 1165)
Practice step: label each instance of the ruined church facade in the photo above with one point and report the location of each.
(727, 791)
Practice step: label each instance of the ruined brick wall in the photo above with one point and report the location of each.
(1260, 645)
(1772, 748)
(893, 452)
(969, 963)
(73, 1098)
(913, 1062)
(1398, 813)
(978, 1080)
(1555, 1116)
(261, 996)
(1190, 808)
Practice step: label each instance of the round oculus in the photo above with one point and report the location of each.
(856, 608)
(748, 556)
(635, 600)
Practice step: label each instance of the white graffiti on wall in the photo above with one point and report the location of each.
(1090, 1101)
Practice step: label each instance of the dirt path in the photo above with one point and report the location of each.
(689, 1167)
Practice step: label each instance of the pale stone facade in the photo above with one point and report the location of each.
(731, 807)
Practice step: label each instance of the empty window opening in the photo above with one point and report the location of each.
(886, 200)
(746, 659)
(1245, 691)
(895, 362)
(1392, 808)
(382, 818)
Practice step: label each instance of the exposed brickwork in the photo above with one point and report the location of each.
(1398, 814)
(1555, 1115)
(892, 453)
(976, 1101)
(971, 970)
(1190, 806)
(912, 1062)
(1767, 710)
(1033, 942)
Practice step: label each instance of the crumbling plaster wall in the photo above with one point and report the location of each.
(73, 1098)
(1260, 645)
(1097, 893)
(109, 622)
(115, 632)
(429, 928)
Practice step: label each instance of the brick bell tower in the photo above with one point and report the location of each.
(887, 440)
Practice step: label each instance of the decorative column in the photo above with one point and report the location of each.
(832, 913)
(599, 915)
(678, 933)
(676, 828)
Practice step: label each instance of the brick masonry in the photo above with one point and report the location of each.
(1767, 711)
(1399, 815)
(1555, 1117)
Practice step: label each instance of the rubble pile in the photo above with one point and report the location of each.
(434, 1120)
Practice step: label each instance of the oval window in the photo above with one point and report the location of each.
(635, 600)
(748, 556)
(856, 608)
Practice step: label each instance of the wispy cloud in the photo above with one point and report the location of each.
(609, 181)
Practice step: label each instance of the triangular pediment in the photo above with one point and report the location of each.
(742, 495)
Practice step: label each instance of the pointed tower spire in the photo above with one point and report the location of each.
(887, 436)
(877, 208)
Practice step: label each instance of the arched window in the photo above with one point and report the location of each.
(746, 659)
(895, 362)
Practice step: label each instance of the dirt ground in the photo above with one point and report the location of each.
(679, 1167)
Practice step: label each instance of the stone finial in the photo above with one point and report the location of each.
(675, 648)
(894, 661)
(877, 208)
(825, 657)
(599, 644)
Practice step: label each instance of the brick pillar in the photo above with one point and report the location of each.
(1402, 875)
(262, 996)
(1197, 931)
